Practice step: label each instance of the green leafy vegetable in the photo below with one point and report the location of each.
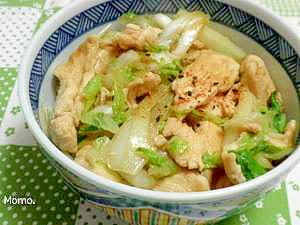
(124, 76)
(211, 160)
(156, 48)
(213, 118)
(100, 120)
(250, 167)
(275, 105)
(279, 119)
(90, 92)
(170, 71)
(159, 165)
(250, 147)
(141, 20)
(86, 129)
(121, 70)
(119, 106)
(129, 15)
(177, 145)
(279, 122)
(161, 126)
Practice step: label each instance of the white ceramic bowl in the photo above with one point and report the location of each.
(252, 26)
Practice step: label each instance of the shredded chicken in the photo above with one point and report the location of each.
(211, 73)
(184, 181)
(255, 75)
(142, 86)
(134, 37)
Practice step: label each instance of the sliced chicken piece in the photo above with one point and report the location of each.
(284, 140)
(212, 138)
(190, 159)
(208, 174)
(73, 77)
(222, 182)
(255, 75)
(207, 139)
(232, 169)
(193, 52)
(80, 157)
(211, 73)
(134, 37)
(184, 181)
(142, 86)
(191, 57)
(102, 61)
(197, 45)
(97, 61)
(63, 132)
(223, 105)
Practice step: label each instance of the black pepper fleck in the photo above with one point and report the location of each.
(157, 118)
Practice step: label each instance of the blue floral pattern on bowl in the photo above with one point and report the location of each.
(111, 10)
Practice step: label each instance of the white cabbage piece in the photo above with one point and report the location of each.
(220, 43)
(162, 20)
(132, 134)
(140, 179)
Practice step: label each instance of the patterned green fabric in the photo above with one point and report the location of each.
(25, 172)
(7, 80)
(284, 7)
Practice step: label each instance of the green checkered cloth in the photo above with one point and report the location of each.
(284, 7)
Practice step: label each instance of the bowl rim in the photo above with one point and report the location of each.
(249, 6)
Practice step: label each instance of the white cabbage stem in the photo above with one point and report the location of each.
(173, 28)
(186, 40)
(162, 20)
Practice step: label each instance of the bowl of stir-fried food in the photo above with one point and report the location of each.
(156, 109)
